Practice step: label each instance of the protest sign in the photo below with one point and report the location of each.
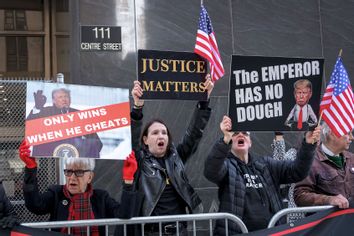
(65, 120)
(172, 75)
(274, 93)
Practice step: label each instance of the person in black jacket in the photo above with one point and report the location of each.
(77, 200)
(162, 179)
(8, 217)
(249, 186)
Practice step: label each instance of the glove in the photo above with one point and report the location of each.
(39, 99)
(25, 153)
(8, 222)
(129, 167)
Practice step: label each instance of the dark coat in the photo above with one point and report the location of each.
(88, 145)
(6, 208)
(326, 179)
(222, 169)
(54, 202)
(152, 180)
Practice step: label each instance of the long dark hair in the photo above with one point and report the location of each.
(146, 129)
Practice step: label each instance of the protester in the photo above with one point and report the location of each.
(249, 186)
(331, 178)
(77, 200)
(162, 178)
(88, 145)
(302, 117)
(8, 218)
(286, 190)
(279, 153)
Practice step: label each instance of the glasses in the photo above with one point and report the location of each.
(246, 133)
(78, 173)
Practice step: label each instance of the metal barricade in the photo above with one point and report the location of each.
(193, 218)
(286, 211)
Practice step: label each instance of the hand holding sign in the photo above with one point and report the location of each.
(137, 92)
(226, 127)
(39, 99)
(25, 155)
(129, 168)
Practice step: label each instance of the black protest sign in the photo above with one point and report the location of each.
(274, 93)
(172, 75)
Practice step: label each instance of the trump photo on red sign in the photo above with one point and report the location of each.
(64, 120)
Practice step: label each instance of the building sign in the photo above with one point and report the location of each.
(101, 38)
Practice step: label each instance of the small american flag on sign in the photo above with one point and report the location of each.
(337, 103)
(207, 47)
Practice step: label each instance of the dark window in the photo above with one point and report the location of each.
(62, 5)
(17, 54)
(16, 47)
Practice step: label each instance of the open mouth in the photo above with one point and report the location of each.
(241, 142)
(160, 144)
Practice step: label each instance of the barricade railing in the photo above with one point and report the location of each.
(286, 211)
(193, 218)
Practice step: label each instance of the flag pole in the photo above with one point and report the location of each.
(320, 118)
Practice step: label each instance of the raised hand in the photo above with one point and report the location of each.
(39, 99)
(225, 127)
(129, 168)
(137, 92)
(208, 84)
(25, 155)
(313, 136)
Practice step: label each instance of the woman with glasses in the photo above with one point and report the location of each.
(77, 200)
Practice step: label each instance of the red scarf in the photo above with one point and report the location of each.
(80, 209)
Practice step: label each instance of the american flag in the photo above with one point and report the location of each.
(207, 47)
(337, 103)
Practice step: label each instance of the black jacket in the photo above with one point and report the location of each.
(222, 169)
(6, 208)
(151, 180)
(54, 202)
